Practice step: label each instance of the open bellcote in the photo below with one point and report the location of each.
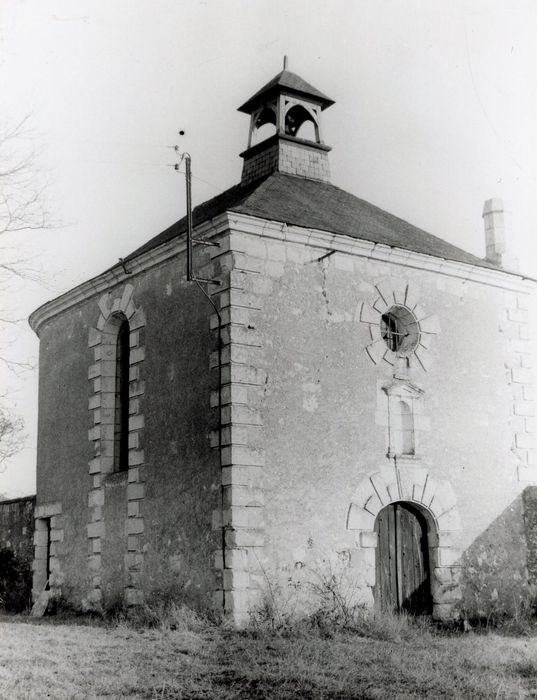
(285, 130)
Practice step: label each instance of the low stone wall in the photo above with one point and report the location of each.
(17, 550)
(17, 527)
(529, 500)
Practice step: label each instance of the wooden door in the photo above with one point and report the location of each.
(402, 561)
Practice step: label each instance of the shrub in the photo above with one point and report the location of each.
(169, 608)
(324, 597)
(15, 582)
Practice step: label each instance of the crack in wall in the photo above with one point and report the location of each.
(324, 292)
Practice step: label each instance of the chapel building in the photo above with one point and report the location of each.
(348, 395)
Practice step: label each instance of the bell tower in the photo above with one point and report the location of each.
(285, 130)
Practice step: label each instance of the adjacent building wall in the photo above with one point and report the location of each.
(17, 538)
(17, 526)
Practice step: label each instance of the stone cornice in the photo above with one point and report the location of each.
(117, 275)
(323, 240)
(327, 241)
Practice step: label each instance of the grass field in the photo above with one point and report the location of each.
(51, 659)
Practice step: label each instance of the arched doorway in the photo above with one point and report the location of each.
(403, 571)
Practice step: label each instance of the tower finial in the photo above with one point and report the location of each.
(285, 62)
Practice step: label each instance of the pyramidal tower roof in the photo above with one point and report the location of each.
(290, 82)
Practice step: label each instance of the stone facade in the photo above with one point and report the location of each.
(306, 410)
(278, 413)
(293, 363)
(124, 535)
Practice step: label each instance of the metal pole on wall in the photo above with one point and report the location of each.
(191, 277)
(188, 182)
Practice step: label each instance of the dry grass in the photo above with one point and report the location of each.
(203, 661)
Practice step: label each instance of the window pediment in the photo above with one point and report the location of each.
(403, 388)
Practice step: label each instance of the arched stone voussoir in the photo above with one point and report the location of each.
(389, 357)
(359, 519)
(116, 305)
(449, 520)
(393, 491)
(126, 298)
(379, 489)
(398, 290)
(368, 314)
(385, 486)
(413, 295)
(383, 291)
(425, 360)
(390, 289)
(105, 305)
(374, 332)
(372, 494)
(110, 305)
(429, 324)
(376, 351)
(381, 305)
(444, 497)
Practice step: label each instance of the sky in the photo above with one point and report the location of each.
(436, 106)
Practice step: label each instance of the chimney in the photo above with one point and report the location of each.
(495, 219)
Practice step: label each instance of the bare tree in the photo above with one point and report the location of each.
(11, 436)
(22, 204)
(22, 209)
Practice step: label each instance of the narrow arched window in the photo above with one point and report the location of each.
(121, 413)
(407, 429)
(401, 429)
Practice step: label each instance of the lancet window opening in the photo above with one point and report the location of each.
(121, 410)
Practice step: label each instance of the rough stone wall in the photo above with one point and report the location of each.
(529, 500)
(146, 531)
(495, 576)
(311, 395)
(17, 540)
(17, 527)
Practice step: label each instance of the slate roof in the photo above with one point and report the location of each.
(290, 82)
(319, 205)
